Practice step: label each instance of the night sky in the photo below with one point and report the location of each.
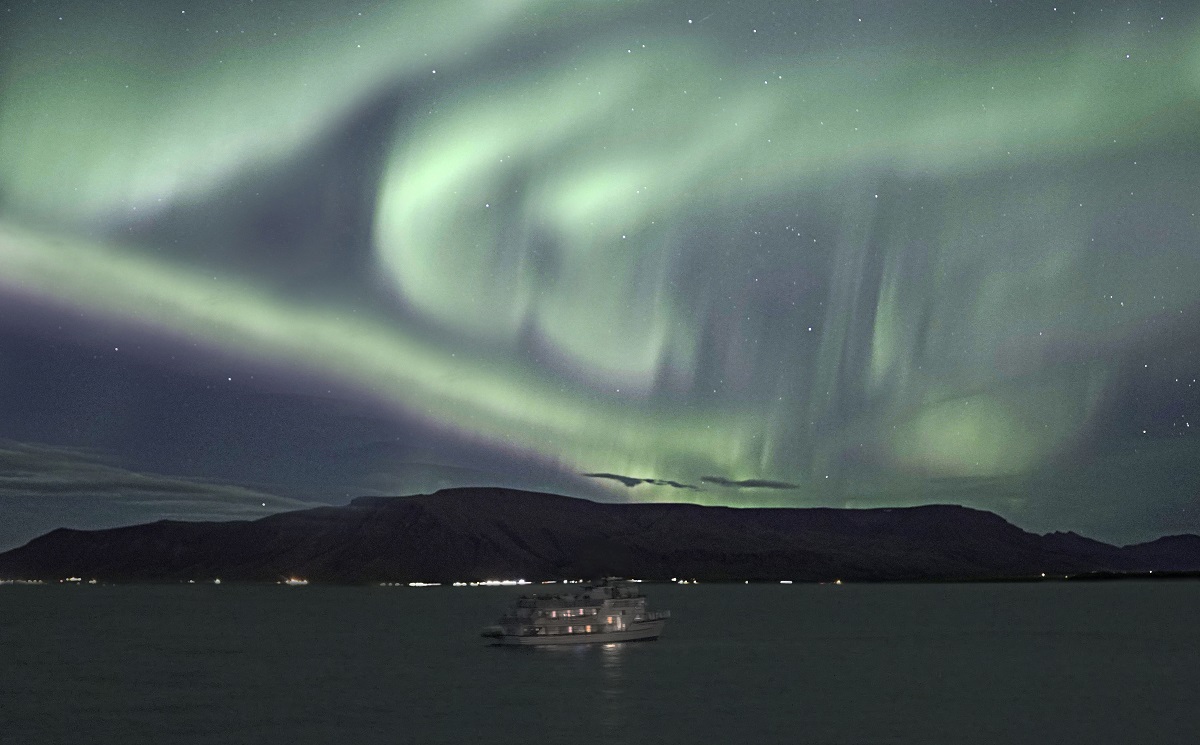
(264, 254)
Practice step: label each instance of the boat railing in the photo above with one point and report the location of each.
(559, 603)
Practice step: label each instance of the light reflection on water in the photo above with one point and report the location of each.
(607, 667)
(613, 691)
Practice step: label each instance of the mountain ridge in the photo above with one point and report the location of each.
(474, 534)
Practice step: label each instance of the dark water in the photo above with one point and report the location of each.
(1037, 663)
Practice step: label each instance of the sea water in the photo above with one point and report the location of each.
(1053, 662)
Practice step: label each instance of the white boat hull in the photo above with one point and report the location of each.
(643, 631)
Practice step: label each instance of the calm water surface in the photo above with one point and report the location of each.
(1033, 663)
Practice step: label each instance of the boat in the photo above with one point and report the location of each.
(609, 611)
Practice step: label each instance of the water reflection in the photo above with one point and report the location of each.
(613, 689)
(606, 668)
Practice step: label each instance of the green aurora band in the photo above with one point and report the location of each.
(605, 156)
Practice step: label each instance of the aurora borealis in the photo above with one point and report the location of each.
(770, 253)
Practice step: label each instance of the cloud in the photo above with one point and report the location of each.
(748, 483)
(35, 470)
(632, 481)
(43, 487)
